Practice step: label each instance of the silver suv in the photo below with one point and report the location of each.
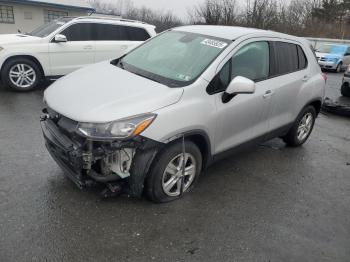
(152, 120)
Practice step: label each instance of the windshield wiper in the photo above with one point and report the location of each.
(147, 77)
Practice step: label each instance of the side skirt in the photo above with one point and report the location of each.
(252, 143)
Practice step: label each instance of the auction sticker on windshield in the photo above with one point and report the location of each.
(214, 43)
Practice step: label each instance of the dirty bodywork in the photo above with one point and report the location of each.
(119, 164)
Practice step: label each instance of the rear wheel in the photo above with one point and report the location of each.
(345, 90)
(302, 128)
(165, 180)
(21, 74)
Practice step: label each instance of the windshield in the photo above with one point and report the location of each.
(174, 58)
(333, 49)
(47, 29)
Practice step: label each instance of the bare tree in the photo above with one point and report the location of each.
(214, 12)
(262, 14)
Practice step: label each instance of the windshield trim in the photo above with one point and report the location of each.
(172, 83)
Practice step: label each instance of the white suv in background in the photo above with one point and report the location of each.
(65, 45)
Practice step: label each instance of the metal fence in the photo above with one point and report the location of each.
(316, 42)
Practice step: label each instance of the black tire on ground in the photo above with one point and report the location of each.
(345, 90)
(153, 185)
(5, 74)
(291, 139)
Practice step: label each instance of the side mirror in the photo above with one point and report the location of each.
(60, 38)
(239, 85)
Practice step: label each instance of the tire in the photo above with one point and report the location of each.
(158, 176)
(345, 90)
(294, 137)
(21, 68)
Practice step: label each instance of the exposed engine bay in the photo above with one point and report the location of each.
(121, 165)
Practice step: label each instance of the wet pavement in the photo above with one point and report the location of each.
(271, 203)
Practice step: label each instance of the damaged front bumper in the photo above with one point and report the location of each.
(88, 163)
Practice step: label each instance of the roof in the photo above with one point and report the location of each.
(228, 32)
(71, 4)
(95, 18)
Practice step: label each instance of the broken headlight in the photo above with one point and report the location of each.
(120, 129)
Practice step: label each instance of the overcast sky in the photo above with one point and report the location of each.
(179, 7)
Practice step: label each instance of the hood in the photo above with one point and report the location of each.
(18, 39)
(103, 93)
(328, 55)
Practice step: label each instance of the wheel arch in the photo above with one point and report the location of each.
(201, 139)
(317, 104)
(30, 57)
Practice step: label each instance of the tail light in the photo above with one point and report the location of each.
(325, 77)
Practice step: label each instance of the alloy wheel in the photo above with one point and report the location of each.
(305, 126)
(173, 174)
(22, 75)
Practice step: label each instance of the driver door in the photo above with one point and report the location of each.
(245, 117)
(78, 51)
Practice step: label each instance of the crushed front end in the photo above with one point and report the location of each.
(87, 162)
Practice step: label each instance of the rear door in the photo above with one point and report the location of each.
(114, 40)
(78, 51)
(289, 77)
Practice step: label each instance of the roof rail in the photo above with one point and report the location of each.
(110, 18)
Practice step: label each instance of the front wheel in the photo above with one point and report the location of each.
(166, 180)
(302, 128)
(21, 74)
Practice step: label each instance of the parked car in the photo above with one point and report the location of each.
(345, 88)
(67, 44)
(333, 57)
(152, 120)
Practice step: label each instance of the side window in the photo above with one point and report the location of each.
(78, 32)
(287, 58)
(135, 33)
(106, 32)
(252, 61)
(302, 58)
(348, 52)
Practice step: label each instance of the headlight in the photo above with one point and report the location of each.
(120, 129)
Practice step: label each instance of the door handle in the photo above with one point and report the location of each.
(88, 47)
(267, 94)
(123, 47)
(305, 78)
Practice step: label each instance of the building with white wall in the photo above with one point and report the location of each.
(26, 15)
